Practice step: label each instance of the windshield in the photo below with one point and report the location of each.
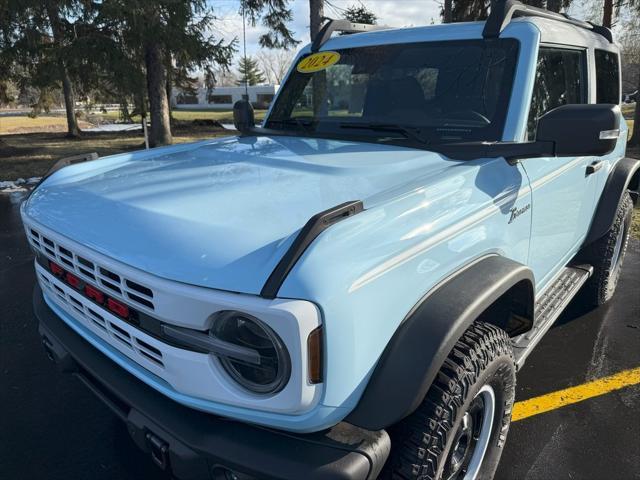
(432, 92)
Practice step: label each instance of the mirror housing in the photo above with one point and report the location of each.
(580, 130)
(243, 116)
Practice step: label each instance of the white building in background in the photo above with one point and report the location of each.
(223, 98)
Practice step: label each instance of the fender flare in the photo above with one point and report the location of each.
(424, 339)
(619, 181)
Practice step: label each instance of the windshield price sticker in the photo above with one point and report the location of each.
(318, 61)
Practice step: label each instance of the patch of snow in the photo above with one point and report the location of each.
(19, 185)
(114, 127)
(231, 126)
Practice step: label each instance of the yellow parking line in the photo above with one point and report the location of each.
(553, 400)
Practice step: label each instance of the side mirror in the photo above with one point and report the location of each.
(578, 130)
(243, 117)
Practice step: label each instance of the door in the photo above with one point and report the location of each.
(562, 190)
(607, 90)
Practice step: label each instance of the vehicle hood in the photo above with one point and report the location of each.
(219, 213)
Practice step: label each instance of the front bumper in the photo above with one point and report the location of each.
(196, 445)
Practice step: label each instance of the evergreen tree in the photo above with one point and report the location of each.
(360, 14)
(472, 10)
(163, 41)
(249, 73)
(38, 47)
(275, 15)
(126, 49)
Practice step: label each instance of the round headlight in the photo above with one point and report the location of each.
(272, 372)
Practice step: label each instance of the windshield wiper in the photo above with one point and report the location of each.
(414, 133)
(301, 123)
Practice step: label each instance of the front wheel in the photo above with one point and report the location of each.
(459, 430)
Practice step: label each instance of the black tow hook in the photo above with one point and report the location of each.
(48, 348)
(159, 450)
(58, 355)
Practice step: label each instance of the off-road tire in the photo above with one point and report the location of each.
(420, 444)
(602, 284)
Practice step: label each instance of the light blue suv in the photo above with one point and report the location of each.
(349, 290)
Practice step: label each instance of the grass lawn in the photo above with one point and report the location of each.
(58, 123)
(32, 154)
(188, 115)
(628, 109)
(25, 124)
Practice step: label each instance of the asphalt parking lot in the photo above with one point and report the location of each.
(52, 427)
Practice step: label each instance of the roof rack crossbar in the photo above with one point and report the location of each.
(502, 11)
(344, 26)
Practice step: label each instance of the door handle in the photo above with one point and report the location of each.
(594, 167)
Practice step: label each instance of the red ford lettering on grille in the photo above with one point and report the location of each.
(91, 292)
(56, 269)
(94, 294)
(74, 281)
(117, 308)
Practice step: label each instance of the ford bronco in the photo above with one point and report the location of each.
(348, 290)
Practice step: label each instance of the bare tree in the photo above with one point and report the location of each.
(630, 43)
(275, 64)
(221, 76)
(614, 10)
(607, 13)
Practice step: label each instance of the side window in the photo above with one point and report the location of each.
(607, 77)
(560, 80)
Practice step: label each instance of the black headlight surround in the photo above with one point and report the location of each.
(249, 332)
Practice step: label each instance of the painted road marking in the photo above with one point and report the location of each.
(568, 396)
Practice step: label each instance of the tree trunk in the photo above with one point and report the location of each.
(67, 87)
(124, 110)
(160, 131)
(635, 137)
(69, 103)
(554, 5)
(169, 84)
(446, 11)
(607, 13)
(169, 93)
(316, 12)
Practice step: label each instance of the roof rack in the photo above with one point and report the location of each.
(344, 26)
(503, 11)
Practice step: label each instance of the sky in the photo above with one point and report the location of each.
(396, 13)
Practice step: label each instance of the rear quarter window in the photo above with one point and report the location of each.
(607, 77)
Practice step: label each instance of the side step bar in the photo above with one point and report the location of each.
(549, 307)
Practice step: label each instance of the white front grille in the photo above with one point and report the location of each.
(113, 283)
(123, 336)
(191, 378)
